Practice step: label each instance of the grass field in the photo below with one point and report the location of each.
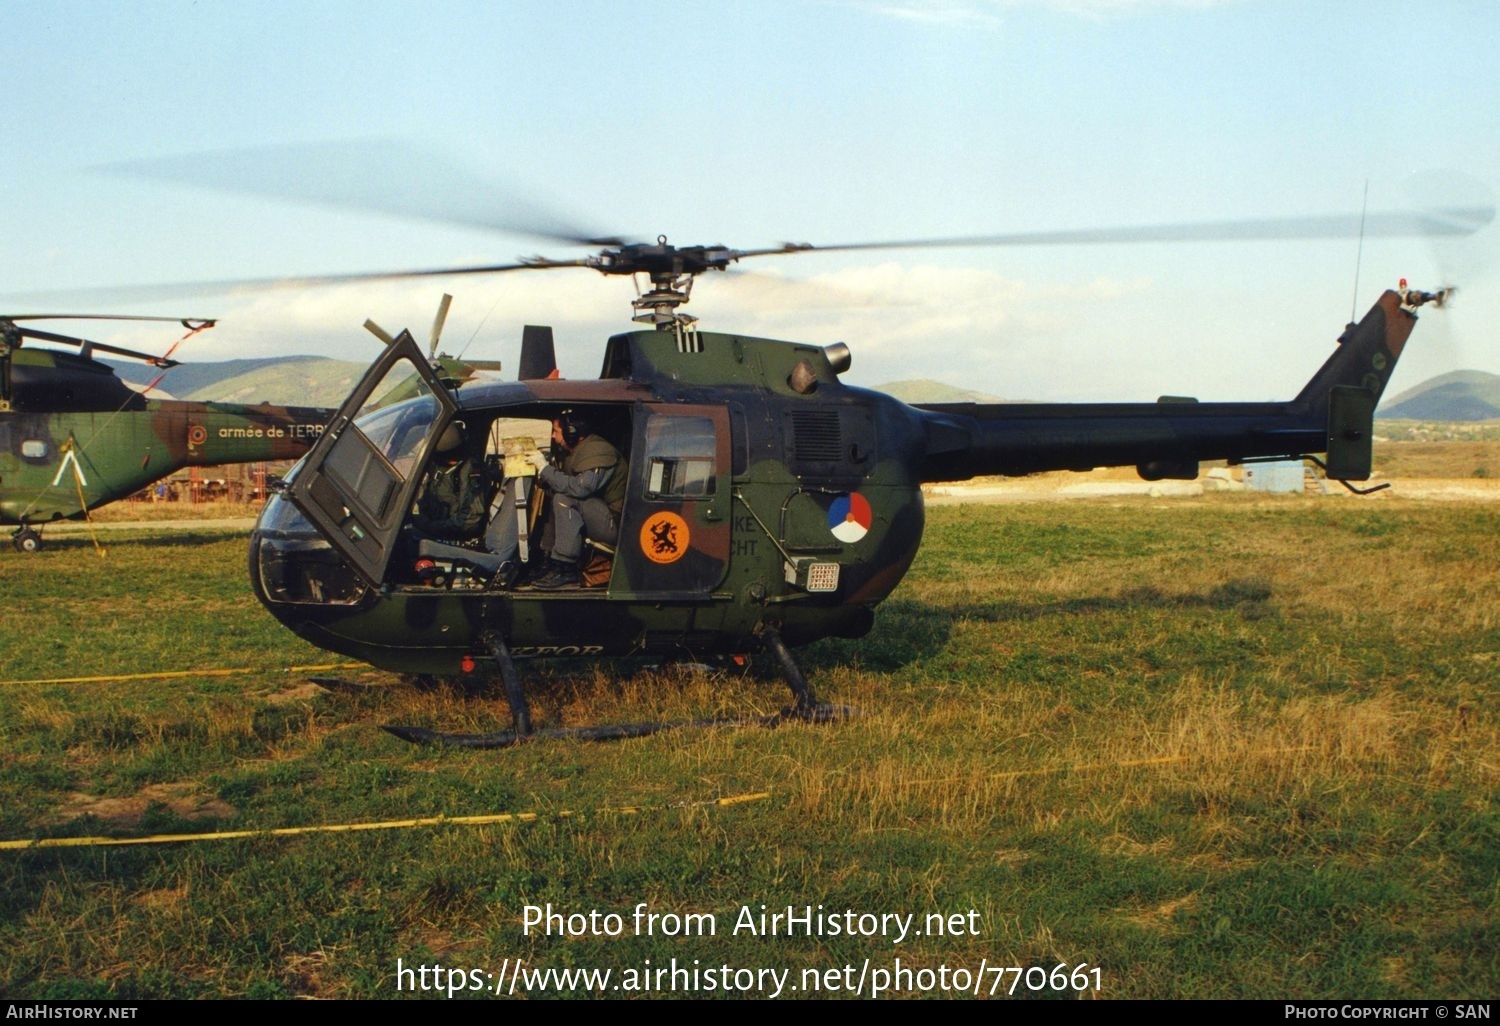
(1234, 747)
(1478, 458)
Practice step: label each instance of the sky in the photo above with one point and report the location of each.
(749, 125)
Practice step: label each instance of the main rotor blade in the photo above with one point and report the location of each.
(103, 317)
(385, 176)
(437, 324)
(143, 293)
(86, 345)
(379, 332)
(1448, 222)
(1458, 259)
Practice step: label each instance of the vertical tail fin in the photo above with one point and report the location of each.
(1348, 386)
(538, 355)
(1367, 352)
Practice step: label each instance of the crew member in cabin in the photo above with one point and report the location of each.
(587, 494)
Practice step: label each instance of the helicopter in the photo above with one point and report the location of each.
(74, 436)
(769, 504)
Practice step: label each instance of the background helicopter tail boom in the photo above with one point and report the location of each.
(81, 460)
(233, 433)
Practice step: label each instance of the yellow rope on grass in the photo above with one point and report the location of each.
(82, 502)
(392, 824)
(524, 817)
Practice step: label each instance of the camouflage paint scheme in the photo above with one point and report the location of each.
(783, 458)
(67, 423)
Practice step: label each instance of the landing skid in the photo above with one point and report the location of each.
(805, 709)
(822, 713)
(805, 702)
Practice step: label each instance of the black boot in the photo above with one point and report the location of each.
(505, 575)
(559, 575)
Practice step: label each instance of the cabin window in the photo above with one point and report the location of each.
(35, 449)
(680, 457)
(397, 417)
(372, 461)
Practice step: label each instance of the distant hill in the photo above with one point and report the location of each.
(288, 380)
(1458, 395)
(319, 381)
(312, 381)
(925, 390)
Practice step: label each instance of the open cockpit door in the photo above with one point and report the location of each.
(357, 484)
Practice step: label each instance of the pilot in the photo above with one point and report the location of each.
(588, 492)
(454, 498)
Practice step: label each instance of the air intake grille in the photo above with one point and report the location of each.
(816, 436)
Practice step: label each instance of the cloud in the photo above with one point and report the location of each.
(903, 319)
(891, 301)
(988, 13)
(1031, 336)
(964, 325)
(939, 12)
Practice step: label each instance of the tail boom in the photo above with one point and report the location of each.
(1167, 439)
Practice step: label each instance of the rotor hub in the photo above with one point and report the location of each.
(670, 269)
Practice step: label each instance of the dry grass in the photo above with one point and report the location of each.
(1229, 749)
(130, 511)
(1450, 459)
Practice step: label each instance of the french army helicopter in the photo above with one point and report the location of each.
(74, 436)
(769, 504)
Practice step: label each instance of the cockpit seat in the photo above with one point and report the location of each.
(486, 563)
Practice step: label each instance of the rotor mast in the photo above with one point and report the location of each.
(671, 287)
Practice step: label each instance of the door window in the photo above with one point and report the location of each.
(681, 451)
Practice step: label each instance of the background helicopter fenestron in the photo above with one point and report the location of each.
(769, 503)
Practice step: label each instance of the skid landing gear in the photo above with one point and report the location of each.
(804, 706)
(515, 695)
(804, 709)
(26, 540)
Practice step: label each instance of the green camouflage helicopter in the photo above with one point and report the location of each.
(768, 505)
(74, 436)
